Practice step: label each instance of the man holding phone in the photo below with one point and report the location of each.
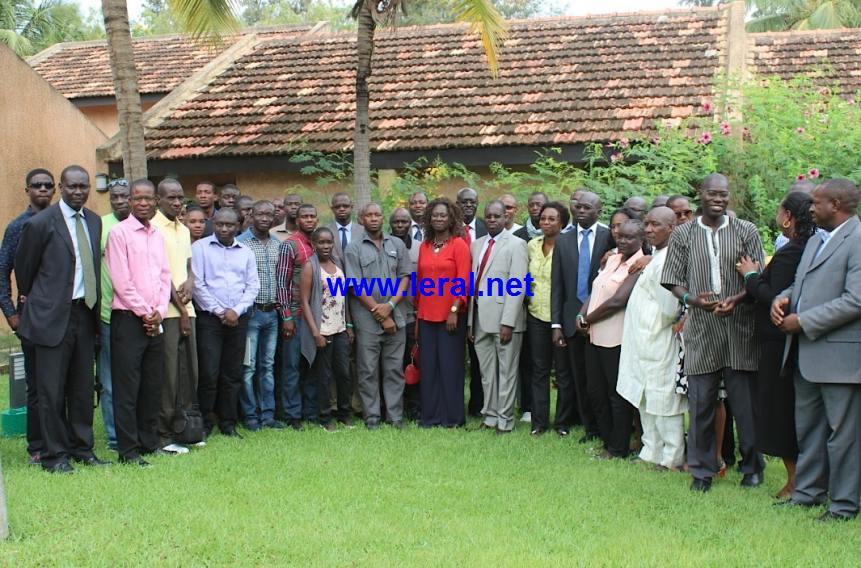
(719, 334)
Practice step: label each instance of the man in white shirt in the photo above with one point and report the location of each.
(418, 204)
(510, 203)
(344, 229)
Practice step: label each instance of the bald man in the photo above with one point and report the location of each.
(510, 203)
(650, 353)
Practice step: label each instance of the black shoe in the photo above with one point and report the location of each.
(537, 432)
(752, 480)
(563, 432)
(484, 426)
(372, 425)
(296, 424)
(329, 427)
(701, 485)
(59, 467)
(92, 461)
(398, 424)
(231, 433)
(273, 424)
(347, 422)
(830, 516)
(500, 432)
(586, 438)
(138, 461)
(252, 425)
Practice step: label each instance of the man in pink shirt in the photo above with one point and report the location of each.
(140, 273)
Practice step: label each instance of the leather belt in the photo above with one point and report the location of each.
(265, 307)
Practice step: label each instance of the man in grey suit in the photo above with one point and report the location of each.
(822, 313)
(496, 316)
(343, 227)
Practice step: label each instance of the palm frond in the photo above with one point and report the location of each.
(485, 19)
(774, 23)
(824, 17)
(206, 19)
(16, 42)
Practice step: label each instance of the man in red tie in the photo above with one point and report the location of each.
(499, 259)
(473, 228)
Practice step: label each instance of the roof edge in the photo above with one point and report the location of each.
(790, 33)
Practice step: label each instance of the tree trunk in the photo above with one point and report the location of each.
(129, 113)
(362, 134)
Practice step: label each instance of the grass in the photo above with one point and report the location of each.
(417, 497)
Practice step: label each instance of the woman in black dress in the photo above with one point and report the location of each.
(774, 395)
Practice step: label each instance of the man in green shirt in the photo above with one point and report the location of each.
(118, 191)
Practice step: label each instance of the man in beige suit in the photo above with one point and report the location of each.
(497, 319)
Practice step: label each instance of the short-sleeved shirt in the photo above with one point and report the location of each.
(703, 260)
(177, 243)
(108, 221)
(387, 264)
(540, 267)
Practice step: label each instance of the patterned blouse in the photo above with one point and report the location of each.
(332, 321)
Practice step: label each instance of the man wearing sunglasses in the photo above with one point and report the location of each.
(56, 267)
(39, 187)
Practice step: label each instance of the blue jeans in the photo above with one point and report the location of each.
(261, 340)
(299, 400)
(107, 397)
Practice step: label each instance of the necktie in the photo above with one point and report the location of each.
(467, 235)
(90, 294)
(825, 236)
(484, 259)
(583, 266)
(343, 238)
(418, 236)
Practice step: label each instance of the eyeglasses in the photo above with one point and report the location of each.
(77, 186)
(42, 185)
(120, 182)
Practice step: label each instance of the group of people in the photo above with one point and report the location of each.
(226, 304)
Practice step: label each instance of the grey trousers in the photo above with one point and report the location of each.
(380, 358)
(828, 426)
(702, 400)
(499, 369)
(180, 373)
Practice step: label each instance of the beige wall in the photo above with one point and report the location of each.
(105, 117)
(269, 185)
(41, 129)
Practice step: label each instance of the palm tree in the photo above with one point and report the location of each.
(27, 28)
(780, 15)
(484, 19)
(203, 19)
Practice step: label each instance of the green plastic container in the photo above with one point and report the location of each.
(14, 422)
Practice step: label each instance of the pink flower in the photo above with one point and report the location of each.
(813, 173)
(706, 138)
(850, 101)
(799, 130)
(624, 143)
(656, 140)
(800, 177)
(824, 91)
(707, 106)
(725, 128)
(615, 156)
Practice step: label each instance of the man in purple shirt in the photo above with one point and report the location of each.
(225, 287)
(140, 275)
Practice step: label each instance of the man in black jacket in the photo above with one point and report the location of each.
(57, 269)
(576, 261)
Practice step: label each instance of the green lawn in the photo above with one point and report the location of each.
(390, 498)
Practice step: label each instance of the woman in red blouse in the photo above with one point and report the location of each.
(441, 315)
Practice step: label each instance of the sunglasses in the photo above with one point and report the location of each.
(42, 185)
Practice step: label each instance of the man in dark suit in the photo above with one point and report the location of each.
(576, 261)
(822, 313)
(57, 267)
(343, 227)
(473, 229)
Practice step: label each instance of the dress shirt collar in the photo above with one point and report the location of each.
(827, 236)
(592, 228)
(162, 220)
(472, 225)
(724, 223)
(136, 225)
(348, 226)
(68, 212)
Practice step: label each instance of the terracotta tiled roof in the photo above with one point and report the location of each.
(82, 69)
(835, 55)
(562, 81)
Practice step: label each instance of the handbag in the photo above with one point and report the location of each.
(412, 375)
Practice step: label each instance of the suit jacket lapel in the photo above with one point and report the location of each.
(62, 230)
(500, 239)
(595, 258)
(834, 243)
